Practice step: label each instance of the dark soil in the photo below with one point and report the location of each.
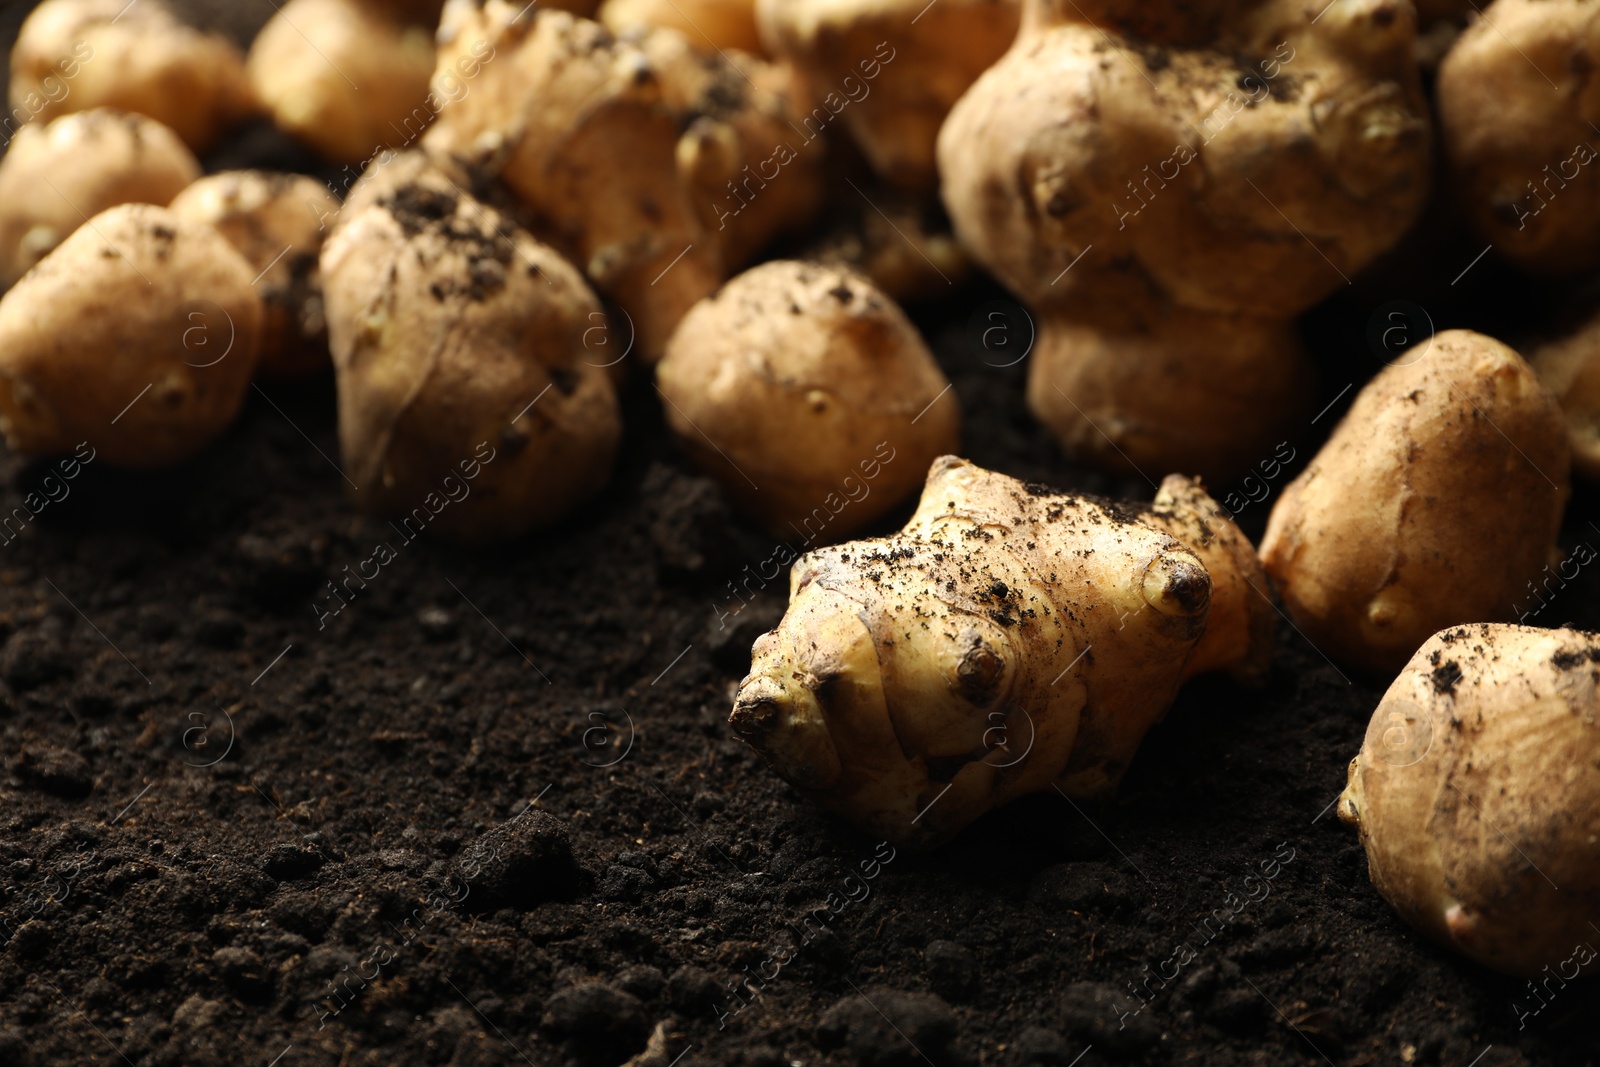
(491, 811)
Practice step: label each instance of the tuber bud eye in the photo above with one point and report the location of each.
(980, 670)
(759, 708)
(1177, 585)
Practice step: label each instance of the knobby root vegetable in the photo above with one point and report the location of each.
(74, 55)
(710, 25)
(659, 169)
(1129, 384)
(1477, 793)
(347, 77)
(1517, 115)
(466, 407)
(138, 335)
(1433, 503)
(277, 222)
(1008, 640)
(1133, 168)
(793, 381)
(57, 175)
(1570, 368)
(890, 70)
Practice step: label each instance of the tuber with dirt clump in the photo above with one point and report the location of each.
(466, 408)
(809, 395)
(277, 222)
(658, 169)
(138, 335)
(1477, 794)
(60, 173)
(1157, 180)
(1010, 639)
(1434, 502)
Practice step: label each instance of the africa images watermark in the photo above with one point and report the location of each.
(854, 491)
(52, 89)
(411, 527)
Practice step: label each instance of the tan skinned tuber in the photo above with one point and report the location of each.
(710, 25)
(889, 70)
(793, 381)
(1434, 502)
(75, 55)
(466, 407)
(348, 77)
(1517, 115)
(1009, 640)
(1177, 182)
(657, 168)
(138, 334)
(56, 175)
(277, 222)
(1477, 794)
(1570, 368)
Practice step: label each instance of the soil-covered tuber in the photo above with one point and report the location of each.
(1477, 793)
(348, 77)
(466, 406)
(1517, 112)
(1131, 169)
(138, 335)
(889, 70)
(1569, 366)
(74, 55)
(1434, 502)
(277, 221)
(790, 381)
(57, 175)
(657, 168)
(1009, 639)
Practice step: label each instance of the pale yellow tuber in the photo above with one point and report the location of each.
(466, 406)
(277, 221)
(1477, 793)
(1570, 368)
(889, 70)
(348, 77)
(657, 168)
(56, 175)
(1434, 502)
(138, 335)
(1518, 105)
(1008, 640)
(794, 381)
(710, 25)
(1155, 178)
(74, 55)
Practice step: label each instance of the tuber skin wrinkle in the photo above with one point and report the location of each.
(277, 222)
(1479, 804)
(138, 334)
(635, 155)
(1434, 502)
(94, 160)
(1521, 155)
(130, 57)
(1063, 623)
(804, 389)
(457, 340)
(1148, 198)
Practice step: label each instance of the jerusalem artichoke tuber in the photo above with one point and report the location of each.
(1010, 638)
(1477, 793)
